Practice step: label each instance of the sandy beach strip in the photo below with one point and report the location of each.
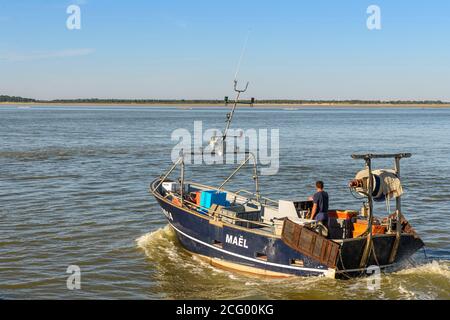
(186, 106)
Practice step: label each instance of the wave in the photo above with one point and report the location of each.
(428, 281)
(161, 246)
(62, 153)
(433, 268)
(164, 234)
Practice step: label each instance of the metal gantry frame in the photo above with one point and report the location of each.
(398, 210)
(250, 155)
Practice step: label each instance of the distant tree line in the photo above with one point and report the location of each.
(284, 101)
(5, 98)
(15, 99)
(134, 101)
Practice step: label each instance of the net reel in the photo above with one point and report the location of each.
(386, 184)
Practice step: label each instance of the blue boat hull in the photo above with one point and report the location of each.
(204, 236)
(254, 251)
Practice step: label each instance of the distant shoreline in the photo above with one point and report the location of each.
(181, 105)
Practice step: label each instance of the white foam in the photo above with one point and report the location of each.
(149, 238)
(441, 268)
(408, 294)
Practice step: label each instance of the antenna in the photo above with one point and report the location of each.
(215, 141)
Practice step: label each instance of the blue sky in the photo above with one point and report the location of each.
(190, 49)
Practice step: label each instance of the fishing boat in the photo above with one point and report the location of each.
(254, 234)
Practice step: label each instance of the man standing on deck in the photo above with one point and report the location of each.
(319, 211)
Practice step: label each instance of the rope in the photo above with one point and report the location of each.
(388, 205)
(342, 263)
(425, 254)
(374, 254)
(411, 262)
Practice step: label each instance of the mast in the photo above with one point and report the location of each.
(231, 114)
(221, 141)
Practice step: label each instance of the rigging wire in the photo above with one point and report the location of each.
(244, 48)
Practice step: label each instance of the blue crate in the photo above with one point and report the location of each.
(210, 197)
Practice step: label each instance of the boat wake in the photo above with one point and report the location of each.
(433, 268)
(181, 275)
(427, 281)
(159, 244)
(162, 249)
(147, 239)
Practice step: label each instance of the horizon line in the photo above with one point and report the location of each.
(20, 99)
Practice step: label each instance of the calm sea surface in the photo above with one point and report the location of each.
(73, 191)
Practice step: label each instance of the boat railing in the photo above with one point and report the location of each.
(234, 195)
(218, 215)
(266, 200)
(237, 194)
